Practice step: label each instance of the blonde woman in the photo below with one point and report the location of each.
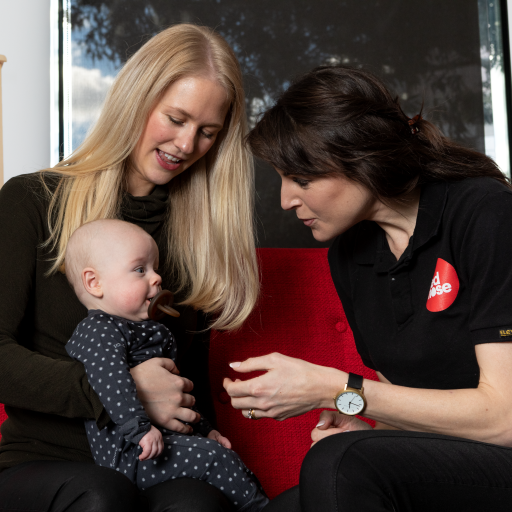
(167, 155)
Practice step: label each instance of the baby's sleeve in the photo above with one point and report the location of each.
(100, 345)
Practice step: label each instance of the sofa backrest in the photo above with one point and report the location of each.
(299, 314)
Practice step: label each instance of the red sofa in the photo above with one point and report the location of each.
(299, 314)
(3, 416)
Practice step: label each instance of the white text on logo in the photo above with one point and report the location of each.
(437, 288)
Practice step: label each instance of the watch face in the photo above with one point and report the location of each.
(349, 403)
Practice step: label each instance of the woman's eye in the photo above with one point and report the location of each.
(206, 134)
(301, 182)
(175, 121)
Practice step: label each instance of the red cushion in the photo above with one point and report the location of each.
(299, 314)
(3, 416)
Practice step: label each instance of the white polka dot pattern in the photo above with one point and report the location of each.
(109, 346)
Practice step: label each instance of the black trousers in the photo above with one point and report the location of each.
(79, 487)
(383, 471)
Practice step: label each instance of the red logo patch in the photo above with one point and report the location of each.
(444, 287)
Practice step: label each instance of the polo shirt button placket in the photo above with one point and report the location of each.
(400, 288)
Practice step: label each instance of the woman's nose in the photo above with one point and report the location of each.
(289, 199)
(185, 142)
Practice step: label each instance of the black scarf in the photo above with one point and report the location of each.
(148, 212)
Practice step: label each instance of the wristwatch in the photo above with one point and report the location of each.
(351, 400)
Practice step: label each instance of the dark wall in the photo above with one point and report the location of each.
(426, 51)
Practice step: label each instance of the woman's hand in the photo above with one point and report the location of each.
(164, 394)
(289, 388)
(332, 422)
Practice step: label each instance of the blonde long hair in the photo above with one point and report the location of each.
(210, 229)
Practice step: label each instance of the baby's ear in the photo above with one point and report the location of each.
(91, 282)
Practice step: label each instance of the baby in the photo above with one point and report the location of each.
(111, 265)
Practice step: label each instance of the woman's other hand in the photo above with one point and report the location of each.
(289, 387)
(332, 422)
(164, 394)
(217, 436)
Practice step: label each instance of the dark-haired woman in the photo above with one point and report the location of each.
(421, 259)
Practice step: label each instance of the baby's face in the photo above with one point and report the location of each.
(128, 277)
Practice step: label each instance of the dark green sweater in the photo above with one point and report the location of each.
(46, 394)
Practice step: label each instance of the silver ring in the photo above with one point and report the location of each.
(251, 415)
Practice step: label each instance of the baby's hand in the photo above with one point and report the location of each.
(216, 436)
(152, 444)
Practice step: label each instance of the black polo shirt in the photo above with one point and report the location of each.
(417, 320)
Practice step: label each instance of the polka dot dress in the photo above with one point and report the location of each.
(109, 346)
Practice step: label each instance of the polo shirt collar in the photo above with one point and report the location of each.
(371, 246)
(430, 213)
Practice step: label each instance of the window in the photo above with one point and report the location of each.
(448, 54)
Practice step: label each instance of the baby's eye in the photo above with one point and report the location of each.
(140, 270)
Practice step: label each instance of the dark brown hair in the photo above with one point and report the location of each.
(342, 120)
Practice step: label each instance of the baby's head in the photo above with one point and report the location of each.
(111, 265)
